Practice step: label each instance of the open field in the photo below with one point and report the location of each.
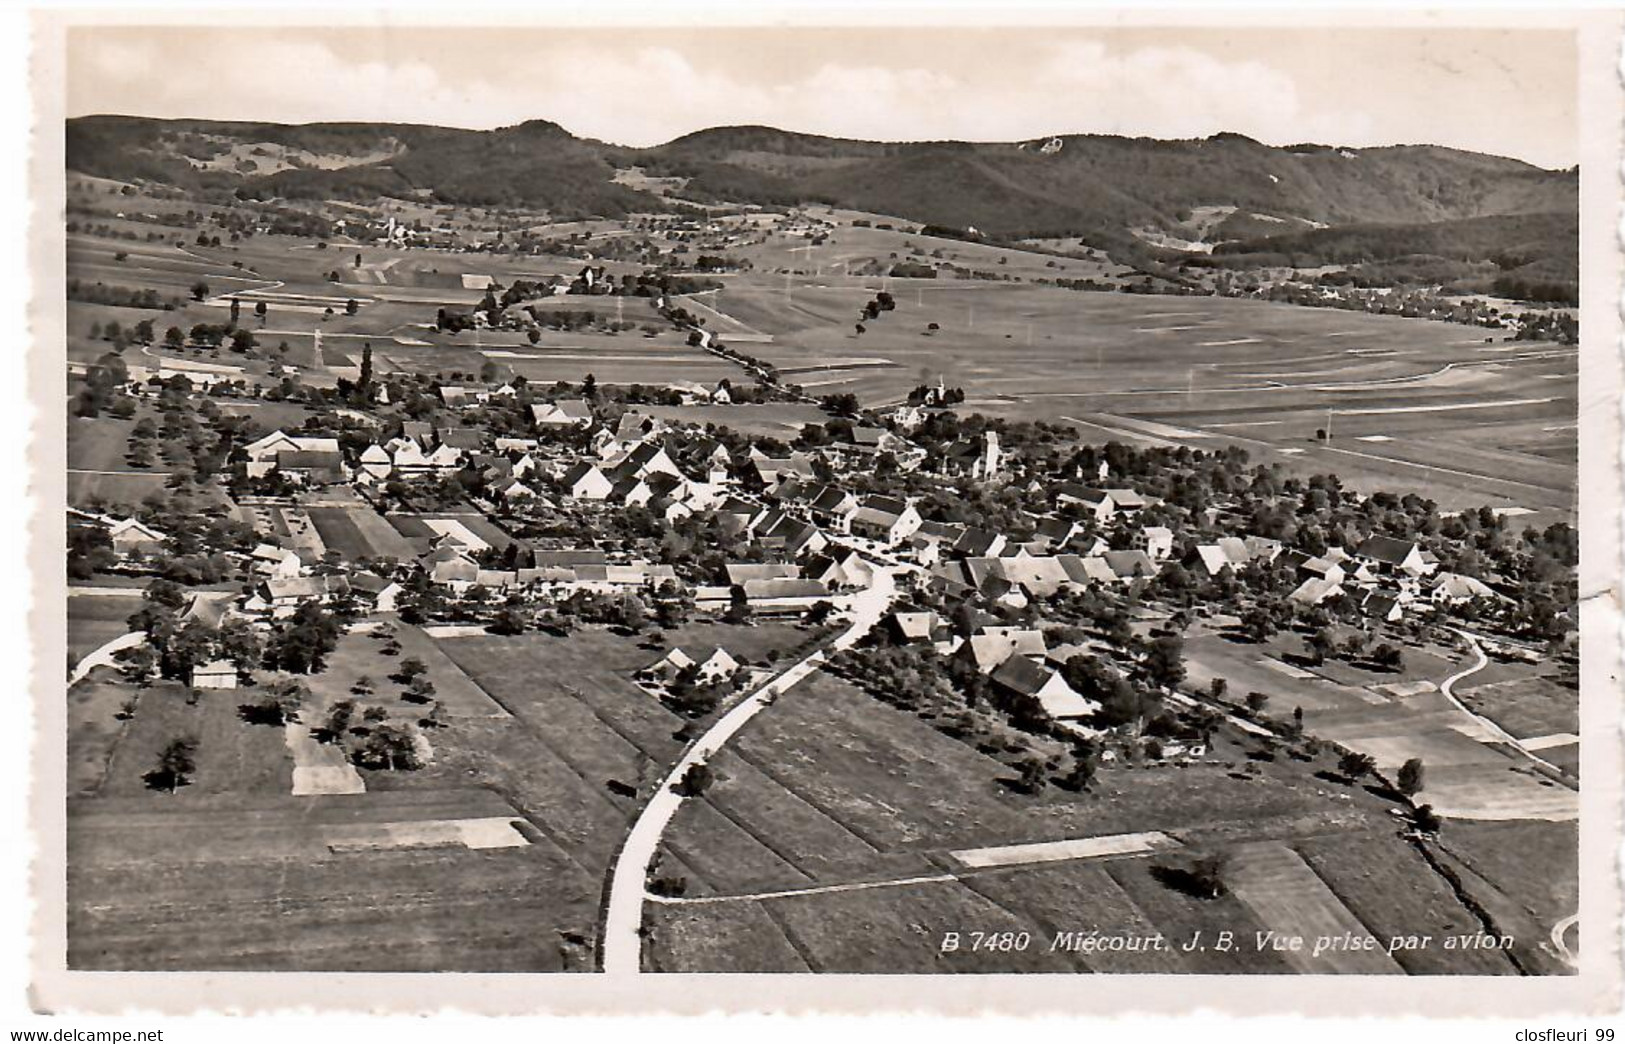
(1468, 773)
(1412, 404)
(358, 655)
(1385, 883)
(96, 620)
(855, 809)
(233, 756)
(240, 882)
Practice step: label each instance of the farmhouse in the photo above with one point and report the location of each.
(263, 453)
(1130, 565)
(1315, 590)
(1389, 556)
(564, 413)
(312, 467)
(783, 595)
(133, 537)
(1097, 502)
(1456, 589)
(1226, 552)
(1022, 681)
(887, 519)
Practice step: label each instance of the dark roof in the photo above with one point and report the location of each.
(1020, 674)
(1386, 549)
(311, 459)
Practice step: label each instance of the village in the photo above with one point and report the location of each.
(379, 575)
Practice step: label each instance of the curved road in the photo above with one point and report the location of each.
(1482, 661)
(103, 656)
(628, 889)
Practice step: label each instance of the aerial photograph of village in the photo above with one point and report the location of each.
(512, 550)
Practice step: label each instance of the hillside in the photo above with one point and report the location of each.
(1098, 187)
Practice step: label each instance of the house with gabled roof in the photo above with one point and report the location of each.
(1130, 565)
(1083, 570)
(907, 628)
(886, 519)
(561, 413)
(1458, 588)
(1020, 680)
(1315, 590)
(1096, 502)
(131, 536)
(740, 572)
(263, 452)
(1381, 605)
(1390, 556)
(585, 481)
(975, 542)
(839, 567)
(1225, 553)
(783, 594)
(1155, 541)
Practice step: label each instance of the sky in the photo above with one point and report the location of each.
(1511, 93)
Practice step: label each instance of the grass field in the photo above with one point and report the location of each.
(251, 883)
(831, 789)
(233, 757)
(95, 620)
(1384, 882)
(1412, 404)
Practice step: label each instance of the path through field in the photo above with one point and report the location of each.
(622, 933)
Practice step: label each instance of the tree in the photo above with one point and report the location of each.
(302, 643)
(1258, 624)
(410, 668)
(339, 718)
(260, 310)
(238, 642)
(280, 703)
(242, 341)
(1356, 766)
(1031, 779)
(420, 691)
(1426, 820)
(176, 763)
(137, 663)
(175, 337)
(1388, 657)
(1410, 777)
(390, 747)
(1207, 874)
(1257, 701)
(1217, 688)
(1320, 644)
(200, 290)
(1085, 766)
(1165, 661)
(696, 781)
(351, 307)
(365, 382)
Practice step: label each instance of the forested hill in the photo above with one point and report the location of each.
(1085, 185)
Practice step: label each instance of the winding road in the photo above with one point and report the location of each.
(1446, 688)
(628, 888)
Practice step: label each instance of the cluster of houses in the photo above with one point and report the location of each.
(1017, 662)
(1385, 576)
